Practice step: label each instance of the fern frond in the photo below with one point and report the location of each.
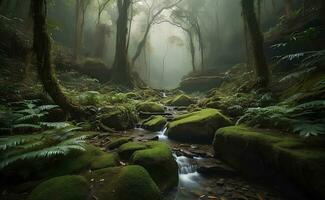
(309, 129)
(47, 107)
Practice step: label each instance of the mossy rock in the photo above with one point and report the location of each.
(197, 127)
(119, 118)
(181, 100)
(154, 123)
(104, 161)
(62, 188)
(126, 150)
(158, 160)
(117, 143)
(267, 154)
(150, 107)
(124, 183)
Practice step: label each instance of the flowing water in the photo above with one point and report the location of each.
(193, 185)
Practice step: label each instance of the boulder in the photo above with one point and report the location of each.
(126, 150)
(197, 127)
(154, 123)
(118, 118)
(150, 107)
(117, 143)
(181, 100)
(158, 160)
(200, 83)
(62, 188)
(267, 154)
(123, 183)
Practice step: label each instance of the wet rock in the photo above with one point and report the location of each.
(181, 100)
(154, 123)
(197, 127)
(150, 107)
(213, 167)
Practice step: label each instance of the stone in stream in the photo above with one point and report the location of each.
(180, 100)
(214, 167)
(266, 154)
(154, 123)
(197, 127)
(156, 158)
(150, 107)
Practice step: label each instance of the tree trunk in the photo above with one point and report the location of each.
(42, 49)
(322, 11)
(192, 49)
(121, 74)
(141, 45)
(257, 42)
(77, 36)
(200, 44)
(288, 7)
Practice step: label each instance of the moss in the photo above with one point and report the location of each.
(181, 100)
(124, 183)
(150, 107)
(106, 160)
(154, 123)
(157, 159)
(197, 126)
(119, 118)
(117, 143)
(62, 188)
(126, 150)
(273, 154)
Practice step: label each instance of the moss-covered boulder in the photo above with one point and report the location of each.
(117, 143)
(150, 107)
(62, 188)
(268, 154)
(197, 127)
(154, 123)
(181, 100)
(126, 150)
(124, 183)
(118, 118)
(158, 160)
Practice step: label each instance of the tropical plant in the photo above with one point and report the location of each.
(45, 145)
(306, 119)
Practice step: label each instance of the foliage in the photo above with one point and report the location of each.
(305, 119)
(44, 145)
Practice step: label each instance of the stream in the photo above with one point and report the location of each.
(222, 183)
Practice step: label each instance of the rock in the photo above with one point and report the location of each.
(213, 167)
(181, 100)
(200, 83)
(96, 68)
(62, 188)
(126, 150)
(118, 118)
(158, 160)
(123, 183)
(150, 107)
(154, 123)
(106, 160)
(267, 154)
(197, 127)
(117, 143)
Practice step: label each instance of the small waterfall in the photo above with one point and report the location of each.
(185, 166)
(161, 134)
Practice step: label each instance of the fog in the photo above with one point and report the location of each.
(221, 28)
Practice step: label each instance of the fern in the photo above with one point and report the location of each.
(309, 129)
(45, 145)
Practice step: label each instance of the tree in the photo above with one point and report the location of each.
(288, 7)
(322, 11)
(81, 8)
(101, 7)
(152, 16)
(121, 74)
(42, 49)
(256, 43)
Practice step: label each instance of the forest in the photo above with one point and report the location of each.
(162, 99)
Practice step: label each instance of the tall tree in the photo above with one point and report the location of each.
(42, 49)
(80, 12)
(257, 43)
(322, 11)
(153, 14)
(288, 4)
(121, 74)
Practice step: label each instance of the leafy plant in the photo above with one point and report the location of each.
(45, 145)
(305, 119)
